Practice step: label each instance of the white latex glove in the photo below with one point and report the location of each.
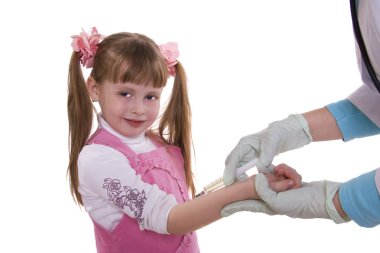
(312, 200)
(280, 136)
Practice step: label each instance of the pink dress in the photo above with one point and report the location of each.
(163, 167)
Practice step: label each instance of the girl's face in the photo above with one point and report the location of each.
(128, 108)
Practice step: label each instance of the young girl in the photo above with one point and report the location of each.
(134, 180)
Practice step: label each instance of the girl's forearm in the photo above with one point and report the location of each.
(201, 211)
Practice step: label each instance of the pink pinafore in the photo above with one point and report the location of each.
(163, 167)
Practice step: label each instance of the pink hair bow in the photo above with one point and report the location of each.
(171, 53)
(86, 44)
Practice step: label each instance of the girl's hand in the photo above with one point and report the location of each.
(283, 178)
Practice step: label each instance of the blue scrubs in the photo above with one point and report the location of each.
(359, 196)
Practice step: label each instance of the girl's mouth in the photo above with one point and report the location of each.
(135, 123)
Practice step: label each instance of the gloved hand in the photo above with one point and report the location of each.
(280, 136)
(312, 200)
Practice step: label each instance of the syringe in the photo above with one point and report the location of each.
(219, 182)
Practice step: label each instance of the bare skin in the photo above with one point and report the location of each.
(201, 211)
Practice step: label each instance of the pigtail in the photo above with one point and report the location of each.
(176, 119)
(80, 115)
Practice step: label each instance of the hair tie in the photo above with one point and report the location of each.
(171, 53)
(86, 45)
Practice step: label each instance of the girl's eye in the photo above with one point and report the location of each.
(151, 97)
(125, 94)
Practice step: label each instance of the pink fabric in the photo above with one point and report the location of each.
(164, 167)
(86, 44)
(171, 53)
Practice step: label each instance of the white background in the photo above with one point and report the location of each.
(248, 63)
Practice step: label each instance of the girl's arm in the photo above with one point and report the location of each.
(203, 210)
(109, 187)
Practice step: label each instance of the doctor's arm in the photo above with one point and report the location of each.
(357, 199)
(322, 125)
(340, 120)
(336, 121)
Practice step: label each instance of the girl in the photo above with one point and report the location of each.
(133, 179)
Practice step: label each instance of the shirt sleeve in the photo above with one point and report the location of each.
(108, 181)
(351, 121)
(360, 199)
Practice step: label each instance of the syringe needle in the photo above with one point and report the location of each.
(219, 182)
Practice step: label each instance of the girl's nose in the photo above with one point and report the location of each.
(137, 107)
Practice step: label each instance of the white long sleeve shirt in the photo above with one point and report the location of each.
(97, 162)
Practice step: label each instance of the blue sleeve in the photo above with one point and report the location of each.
(360, 200)
(351, 121)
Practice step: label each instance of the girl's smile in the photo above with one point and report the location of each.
(128, 108)
(135, 123)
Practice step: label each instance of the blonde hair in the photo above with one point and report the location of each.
(128, 57)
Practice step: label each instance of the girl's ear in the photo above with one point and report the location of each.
(92, 89)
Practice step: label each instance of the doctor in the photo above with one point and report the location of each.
(354, 117)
